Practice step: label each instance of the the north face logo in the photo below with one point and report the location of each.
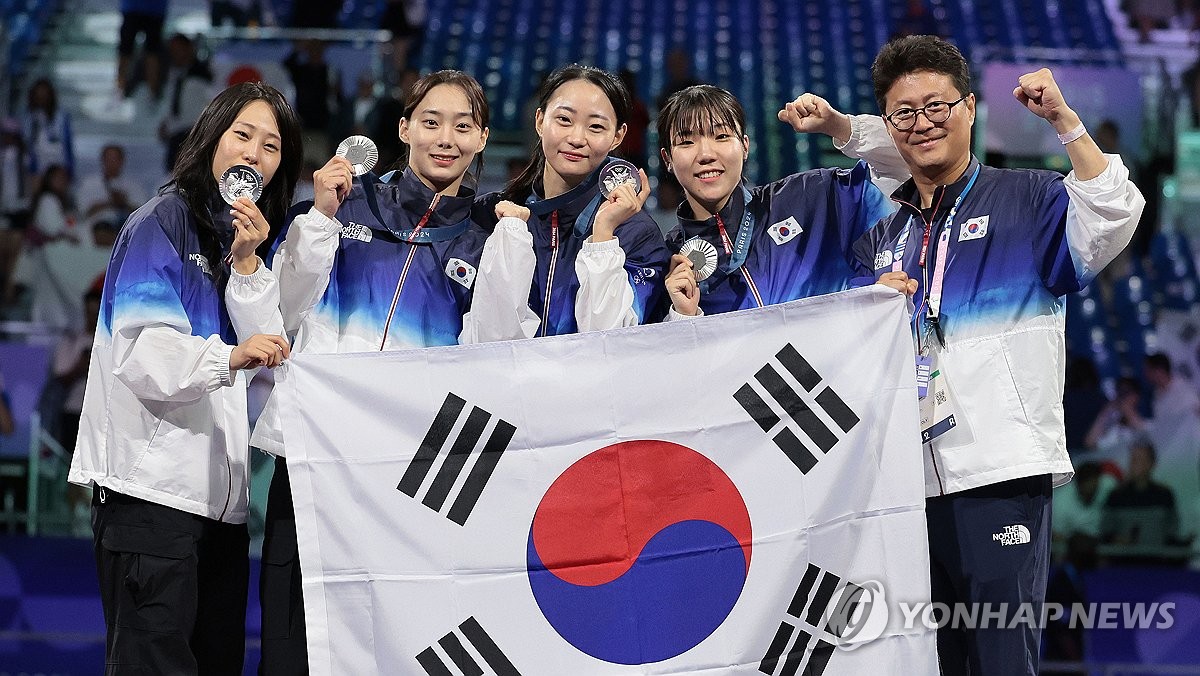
(1012, 535)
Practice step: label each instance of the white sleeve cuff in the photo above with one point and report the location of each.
(323, 222)
(224, 373)
(675, 315)
(599, 247)
(512, 223)
(255, 280)
(1113, 175)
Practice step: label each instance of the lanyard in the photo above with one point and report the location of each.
(933, 295)
(737, 250)
(417, 234)
(740, 249)
(942, 253)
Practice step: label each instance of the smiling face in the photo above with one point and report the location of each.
(936, 154)
(252, 139)
(708, 165)
(443, 138)
(578, 127)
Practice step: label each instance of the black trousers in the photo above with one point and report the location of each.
(991, 545)
(284, 650)
(173, 586)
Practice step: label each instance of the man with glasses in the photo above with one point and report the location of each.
(994, 251)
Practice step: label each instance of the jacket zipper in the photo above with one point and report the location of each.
(412, 251)
(927, 231)
(550, 273)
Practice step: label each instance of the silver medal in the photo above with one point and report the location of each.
(616, 174)
(361, 152)
(703, 256)
(241, 180)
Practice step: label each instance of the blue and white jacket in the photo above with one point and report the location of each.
(370, 279)
(1021, 239)
(579, 285)
(803, 228)
(163, 417)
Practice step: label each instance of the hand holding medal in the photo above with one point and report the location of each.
(240, 180)
(361, 152)
(625, 189)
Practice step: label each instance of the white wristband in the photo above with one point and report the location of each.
(1072, 135)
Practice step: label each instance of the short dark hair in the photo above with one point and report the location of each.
(699, 109)
(914, 53)
(1159, 361)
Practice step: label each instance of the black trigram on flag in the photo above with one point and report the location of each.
(453, 458)
(800, 411)
(810, 607)
(466, 651)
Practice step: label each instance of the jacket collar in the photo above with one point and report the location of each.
(572, 202)
(731, 216)
(943, 195)
(404, 200)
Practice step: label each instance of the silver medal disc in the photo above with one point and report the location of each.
(361, 152)
(703, 256)
(241, 180)
(618, 173)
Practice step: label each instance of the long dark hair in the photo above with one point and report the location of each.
(193, 174)
(618, 95)
(481, 112)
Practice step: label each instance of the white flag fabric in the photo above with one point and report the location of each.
(732, 495)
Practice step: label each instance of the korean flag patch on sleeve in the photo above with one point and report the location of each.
(975, 228)
(460, 271)
(785, 231)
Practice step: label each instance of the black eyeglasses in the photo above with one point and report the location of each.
(936, 112)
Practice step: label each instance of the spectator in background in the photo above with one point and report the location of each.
(1140, 511)
(60, 272)
(323, 14)
(14, 197)
(110, 194)
(391, 108)
(1079, 505)
(189, 88)
(1148, 15)
(1174, 430)
(52, 221)
(145, 18)
(1083, 400)
(679, 77)
(1063, 638)
(405, 21)
(633, 146)
(358, 114)
(316, 88)
(917, 20)
(47, 130)
(14, 200)
(53, 209)
(1117, 426)
(68, 370)
(6, 417)
(239, 13)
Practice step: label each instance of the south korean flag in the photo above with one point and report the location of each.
(461, 272)
(785, 231)
(539, 507)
